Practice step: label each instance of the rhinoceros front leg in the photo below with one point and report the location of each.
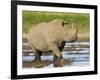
(57, 55)
(61, 46)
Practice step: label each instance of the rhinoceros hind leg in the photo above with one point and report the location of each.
(38, 55)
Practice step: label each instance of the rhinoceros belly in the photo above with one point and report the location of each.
(42, 46)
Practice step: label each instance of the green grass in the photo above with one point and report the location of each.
(32, 18)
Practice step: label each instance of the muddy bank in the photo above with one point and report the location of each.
(41, 64)
(78, 53)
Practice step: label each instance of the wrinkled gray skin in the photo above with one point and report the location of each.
(51, 36)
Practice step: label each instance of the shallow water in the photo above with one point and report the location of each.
(79, 57)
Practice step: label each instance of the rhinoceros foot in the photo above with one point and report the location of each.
(61, 63)
(58, 63)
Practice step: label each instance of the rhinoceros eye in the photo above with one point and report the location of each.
(67, 33)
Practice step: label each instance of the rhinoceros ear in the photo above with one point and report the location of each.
(62, 24)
